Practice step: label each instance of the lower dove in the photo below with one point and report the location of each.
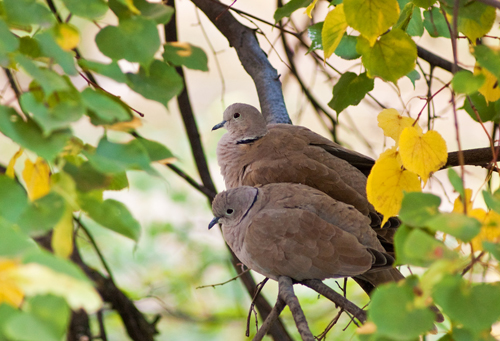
(294, 230)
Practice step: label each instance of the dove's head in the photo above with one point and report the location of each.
(231, 206)
(243, 122)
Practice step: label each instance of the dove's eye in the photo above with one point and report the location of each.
(236, 115)
(229, 211)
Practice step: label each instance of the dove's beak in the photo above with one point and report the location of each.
(213, 222)
(219, 125)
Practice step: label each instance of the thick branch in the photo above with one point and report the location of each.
(472, 157)
(287, 294)
(435, 60)
(253, 59)
(79, 328)
(335, 297)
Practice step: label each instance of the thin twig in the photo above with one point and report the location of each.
(271, 318)
(102, 329)
(258, 290)
(474, 261)
(222, 283)
(210, 194)
(12, 82)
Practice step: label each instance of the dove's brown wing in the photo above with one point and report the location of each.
(301, 245)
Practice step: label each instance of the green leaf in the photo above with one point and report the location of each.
(6, 313)
(8, 43)
(417, 208)
(13, 200)
(405, 17)
(158, 12)
(476, 307)
(392, 57)
(400, 238)
(105, 106)
(113, 215)
(487, 111)
(192, 57)
(42, 215)
(475, 19)
(456, 182)
(14, 242)
(27, 12)
(135, 39)
(314, 33)
(55, 263)
(27, 327)
(69, 109)
(416, 25)
(347, 48)
(29, 47)
(289, 8)
(414, 76)
(424, 3)
(421, 249)
(49, 80)
(492, 201)
(488, 58)
(395, 313)
(161, 84)
(466, 82)
(111, 70)
(51, 49)
(29, 135)
(350, 90)
(112, 157)
(456, 224)
(87, 178)
(90, 9)
(156, 151)
(371, 17)
(435, 23)
(493, 248)
(52, 310)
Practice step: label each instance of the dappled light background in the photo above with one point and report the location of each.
(176, 253)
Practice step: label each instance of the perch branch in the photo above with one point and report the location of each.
(287, 294)
(335, 297)
(208, 193)
(253, 59)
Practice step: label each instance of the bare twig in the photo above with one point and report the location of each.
(222, 283)
(102, 329)
(473, 261)
(287, 294)
(492, 3)
(210, 194)
(258, 290)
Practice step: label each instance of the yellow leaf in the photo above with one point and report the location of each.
(490, 89)
(126, 126)
(67, 36)
(10, 168)
(310, 8)
(479, 23)
(62, 236)
(490, 229)
(130, 5)
(371, 17)
(10, 292)
(458, 206)
(333, 30)
(36, 279)
(37, 178)
(386, 184)
(392, 123)
(422, 154)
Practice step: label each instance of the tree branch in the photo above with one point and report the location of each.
(271, 318)
(435, 60)
(253, 59)
(492, 3)
(472, 157)
(287, 294)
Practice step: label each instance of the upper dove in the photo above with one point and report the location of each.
(254, 153)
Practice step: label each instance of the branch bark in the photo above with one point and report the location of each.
(253, 59)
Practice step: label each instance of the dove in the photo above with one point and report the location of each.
(285, 229)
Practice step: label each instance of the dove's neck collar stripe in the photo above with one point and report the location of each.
(251, 205)
(249, 140)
